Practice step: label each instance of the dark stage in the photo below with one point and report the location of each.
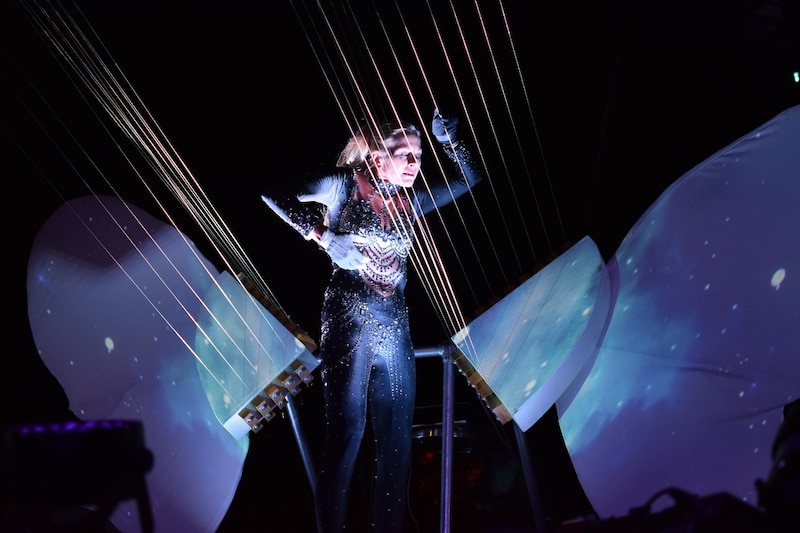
(654, 134)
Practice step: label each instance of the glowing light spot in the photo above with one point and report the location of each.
(778, 277)
(734, 307)
(543, 365)
(708, 286)
(109, 344)
(530, 386)
(741, 393)
(587, 312)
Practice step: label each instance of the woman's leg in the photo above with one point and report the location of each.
(346, 363)
(392, 390)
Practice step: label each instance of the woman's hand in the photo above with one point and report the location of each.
(444, 127)
(342, 250)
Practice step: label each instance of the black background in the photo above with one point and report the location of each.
(626, 98)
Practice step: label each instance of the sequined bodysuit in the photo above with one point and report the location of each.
(367, 359)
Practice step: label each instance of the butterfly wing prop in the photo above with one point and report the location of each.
(113, 300)
(702, 350)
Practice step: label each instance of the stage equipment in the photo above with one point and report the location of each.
(524, 352)
(249, 362)
(779, 494)
(50, 469)
(687, 512)
(136, 324)
(470, 474)
(701, 351)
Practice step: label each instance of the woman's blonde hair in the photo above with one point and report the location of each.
(356, 153)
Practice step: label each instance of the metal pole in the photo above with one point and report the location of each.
(448, 424)
(447, 440)
(540, 524)
(301, 443)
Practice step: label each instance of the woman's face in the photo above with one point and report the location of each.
(400, 165)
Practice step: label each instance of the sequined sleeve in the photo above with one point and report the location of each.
(464, 173)
(306, 204)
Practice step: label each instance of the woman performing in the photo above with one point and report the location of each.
(362, 215)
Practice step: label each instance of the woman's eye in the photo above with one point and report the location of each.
(406, 155)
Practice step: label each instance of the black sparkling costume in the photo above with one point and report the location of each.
(367, 358)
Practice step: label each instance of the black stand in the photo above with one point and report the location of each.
(530, 481)
(445, 352)
(447, 429)
(299, 435)
(448, 423)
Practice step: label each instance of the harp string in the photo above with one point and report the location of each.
(346, 54)
(539, 145)
(426, 256)
(503, 93)
(427, 259)
(73, 47)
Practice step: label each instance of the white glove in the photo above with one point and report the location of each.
(444, 127)
(342, 250)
